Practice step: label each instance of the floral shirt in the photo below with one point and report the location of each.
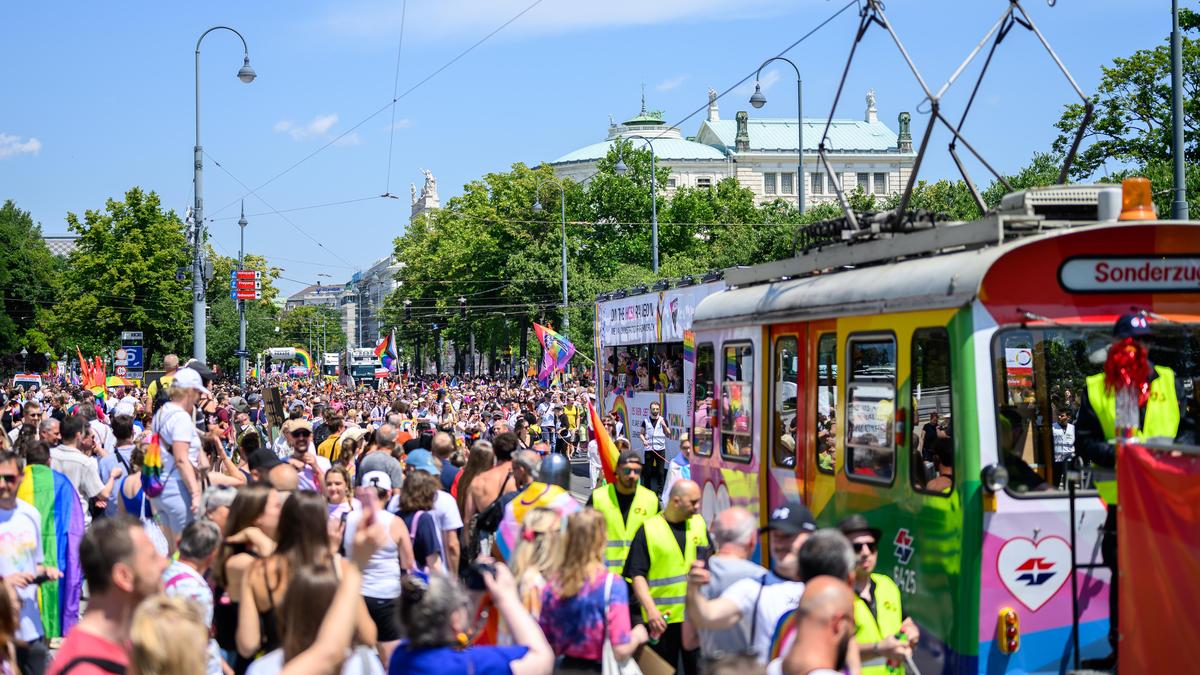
(575, 626)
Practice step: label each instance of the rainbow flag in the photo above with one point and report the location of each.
(386, 352)
(604, 444)
(93, 374)
(689, 346)
(557, 350)
(56, 500)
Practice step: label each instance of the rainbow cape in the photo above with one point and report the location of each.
(604, 444)
(386, 352)
(556, 352)
(552, 497)
(56, 500)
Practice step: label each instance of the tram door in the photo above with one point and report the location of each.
(786, 419)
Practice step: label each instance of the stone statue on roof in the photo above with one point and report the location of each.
(430, 187)
(712, 95)
(413, 189)
(870, 99)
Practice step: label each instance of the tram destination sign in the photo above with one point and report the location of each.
(1131, 274)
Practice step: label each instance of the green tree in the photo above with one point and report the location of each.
(28, 280)
(308, 327)
(1132, 119)
(121, 276)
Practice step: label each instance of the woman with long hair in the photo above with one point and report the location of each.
(337, 491)
(311, 594)
(584, 604)
(481, 459)
(435, 615)
(181, 455)
(416, 510)
(250, 530)
(168, 637)
(303, 539)
(131, 497)
(534, 558)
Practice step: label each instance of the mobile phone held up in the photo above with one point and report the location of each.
(475, 574)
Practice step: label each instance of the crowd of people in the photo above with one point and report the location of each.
(193, 526)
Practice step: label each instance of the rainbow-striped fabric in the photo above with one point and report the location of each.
(56, 500)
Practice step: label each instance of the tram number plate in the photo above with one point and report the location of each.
(906, 579)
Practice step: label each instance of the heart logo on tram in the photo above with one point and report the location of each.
(1034, 571)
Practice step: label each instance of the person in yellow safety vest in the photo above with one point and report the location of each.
(625, 505)
(885, 636)
(662, 552)
(1159, 408)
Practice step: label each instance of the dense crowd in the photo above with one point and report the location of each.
(426, 527)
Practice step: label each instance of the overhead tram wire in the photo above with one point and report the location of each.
(387, 192)
(385, 106)
(298, 208)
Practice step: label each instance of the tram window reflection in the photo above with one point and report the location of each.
(932, 443)
(706, 407)
(826, 383)
(786, 364)
(737, 392)
(870, 408)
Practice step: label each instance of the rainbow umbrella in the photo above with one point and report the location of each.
(116, 381)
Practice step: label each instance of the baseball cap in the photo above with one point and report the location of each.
(422, 460)
(239, 404)
(856, 523)
(263, 460)
(187, 378)
(630, 456)
(377, 479)
(300, 424)
(1131, 326)
(791, 518)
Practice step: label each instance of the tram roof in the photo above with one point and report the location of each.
(863, 284)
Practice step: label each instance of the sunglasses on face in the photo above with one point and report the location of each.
(631, 470)
(9, 478)
(869, 546)
(301, 434)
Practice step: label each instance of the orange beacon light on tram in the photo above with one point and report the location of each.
(1137, 203)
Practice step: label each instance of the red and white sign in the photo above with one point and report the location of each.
(1117, 274)
(121, 370)
(1034, 571)
(248, 275)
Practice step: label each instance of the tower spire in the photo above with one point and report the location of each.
(643, 98)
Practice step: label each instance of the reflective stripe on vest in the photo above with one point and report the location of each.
(1162, 420)
(669, 566)
(874, 627)
(621, 531)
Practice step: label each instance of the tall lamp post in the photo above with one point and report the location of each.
(24, 359)
(537, 208)
(242, 303)
(1179, 205)
(620, 168)
(199, 334)
(758, 100)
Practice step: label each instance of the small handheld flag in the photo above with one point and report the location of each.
(152, 481)
(605, 446)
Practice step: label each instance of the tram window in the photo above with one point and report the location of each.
(783, 408)
(1040, 381)
(826, 402)
(932, 442)
(648, 367)
(737, 399)
(706, 407)
(870, 408)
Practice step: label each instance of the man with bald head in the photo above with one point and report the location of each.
(824, 628)
(734, 535)
(660, 556)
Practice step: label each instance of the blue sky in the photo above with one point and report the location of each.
(99, 96)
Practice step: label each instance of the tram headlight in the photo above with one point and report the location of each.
(994, 477)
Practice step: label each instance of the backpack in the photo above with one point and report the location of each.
(160, 393)
(153, 482)
(103, 664)
(482, 528)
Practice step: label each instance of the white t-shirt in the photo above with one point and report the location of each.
(1064, 441)
(173, 423)
(778, 596)
(104, 435)
(21, 551)
(446, 509)
(362, 661)
(381, 577)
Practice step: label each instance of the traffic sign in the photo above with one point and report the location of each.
(121, 370)
(245, 284)
(245, 274)
(129, 356)
(238, 294)
(131, 335)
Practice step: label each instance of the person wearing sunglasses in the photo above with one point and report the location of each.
(304, 459)
(877, 609)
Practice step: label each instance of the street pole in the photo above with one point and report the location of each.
(620, 168)
(199, 310)
(537, 208)
(1179, 206)
(758, 100)
(242, 303)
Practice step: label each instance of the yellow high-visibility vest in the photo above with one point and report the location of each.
(669, 566)
(1162, 420)
(621, 530)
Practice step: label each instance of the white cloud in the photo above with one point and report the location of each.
(348, 140)
(11, 146)
(768, 80)
(318, 126)
(471, 18)
(670, 83)
(402, 124)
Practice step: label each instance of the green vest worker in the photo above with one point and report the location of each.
(660, 556)
(885, 637)
(625, 505)
(1095, 442)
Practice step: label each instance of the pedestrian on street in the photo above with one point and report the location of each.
(885, 636)
(625, 505)
(653, 432)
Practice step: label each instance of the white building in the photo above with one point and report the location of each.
(362, 302)
(762, 153)
(317, 295)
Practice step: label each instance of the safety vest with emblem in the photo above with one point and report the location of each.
(884, 622)
(621, 530)
(669, 566)
(1162, 420)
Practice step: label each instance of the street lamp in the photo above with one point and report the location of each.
(24, 359)
(620, 168)
(537, 208)
(758, 100)
(199, 334)
(241, 262)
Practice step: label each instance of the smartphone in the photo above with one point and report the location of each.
(40, 579)
(703, 553)
(474, 578)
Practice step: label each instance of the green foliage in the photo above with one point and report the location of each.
(1132, 122)
(121, 276)
(308, 327)
(28, 275)
(261, 315)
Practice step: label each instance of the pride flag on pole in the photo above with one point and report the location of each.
(604, 445)
(386, 352)
(556, 352)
